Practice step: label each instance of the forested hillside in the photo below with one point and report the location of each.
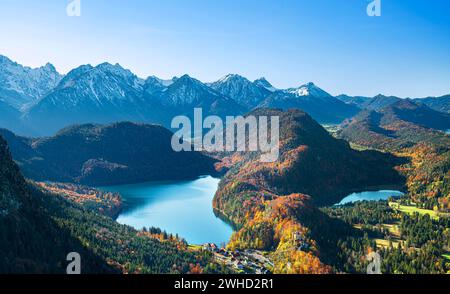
(38, 229)
(120, 153)
(267, 201)
(405, 129)
(30, 240)
(396, 127)
(407, 243)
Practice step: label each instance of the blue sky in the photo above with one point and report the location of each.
(404, 52)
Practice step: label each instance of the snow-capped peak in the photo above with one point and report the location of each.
(21, 85)
(162, 82)
(240, 89)
(4, 59)
(309, 89)
(154, 84)
(262, 82)
(115, 69)
(50, 67)
(232, 78)
(186, 79)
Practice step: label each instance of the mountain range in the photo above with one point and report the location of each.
(36, 102)
(40, 101)
(378, 102)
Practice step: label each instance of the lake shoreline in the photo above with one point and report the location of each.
(184, 208)
(342, 194)
(379, 195)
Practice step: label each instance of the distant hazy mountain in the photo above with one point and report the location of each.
(242, 90)
(399, 125)
(380, 101)
(21, 85)
(437, 103)
(319, 104)
(371, 103)
(106, 154)
(417, 113)
(355, 100)
(375, 103)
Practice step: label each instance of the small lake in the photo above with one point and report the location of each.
(178, 207)
(370, 196)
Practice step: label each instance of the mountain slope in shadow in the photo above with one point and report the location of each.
(120, 153)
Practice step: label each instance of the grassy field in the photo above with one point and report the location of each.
(394, 232)
(412, 209)
(195, 247)
(446, 256)
(385, 243)
(393, 229)
(394, 235)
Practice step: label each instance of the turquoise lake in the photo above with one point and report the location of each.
(178, 207)
(370, 196)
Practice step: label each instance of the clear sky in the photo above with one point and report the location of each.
(334, 43)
